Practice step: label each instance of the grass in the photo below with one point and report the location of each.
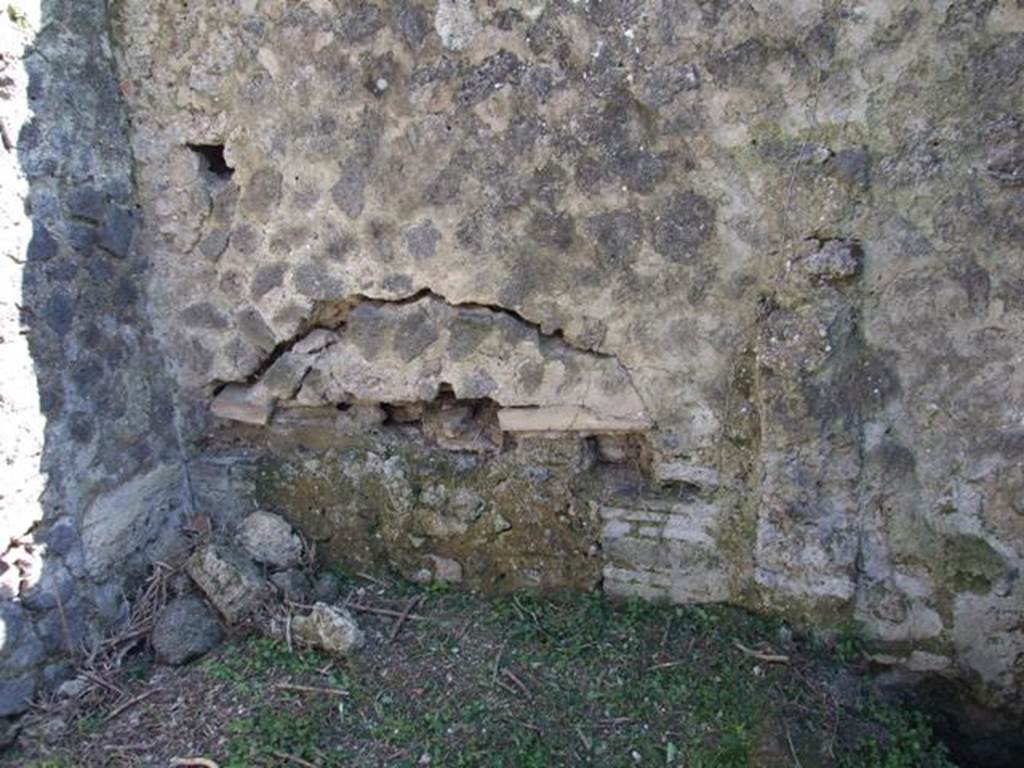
(907, 742)
(528, 681)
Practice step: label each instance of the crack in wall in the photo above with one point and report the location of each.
(542, 381)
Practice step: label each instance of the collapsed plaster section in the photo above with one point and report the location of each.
(577, 163)
(362, 351)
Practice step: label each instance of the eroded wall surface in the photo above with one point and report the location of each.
(92, 483)
(694, 300)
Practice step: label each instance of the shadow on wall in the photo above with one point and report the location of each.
(94, 479)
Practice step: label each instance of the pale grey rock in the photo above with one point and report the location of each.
(995, 662)
(330, 628)
(456, 23)
(246, 404)
(269, 539)
(73, 688)
(613, 448)
(659, 550)
(445, 569)
(568, 418)
(229, 579)
(127, 518)
(185, 630)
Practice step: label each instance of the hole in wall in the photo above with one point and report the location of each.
(213, 160)
(449, 422)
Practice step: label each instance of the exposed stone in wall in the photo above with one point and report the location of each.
(406, 352)
(758, 261)
(370, 496)
(815, 380)
(751, 270)
(93, 485)
(660, 549)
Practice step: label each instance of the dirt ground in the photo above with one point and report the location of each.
(449, 679)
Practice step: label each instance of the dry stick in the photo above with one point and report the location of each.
(519, 683)
(792, 749)
(310, 689)
(615, 720)
(194, 762)
(130, 703)
(103, 683)
(385, 612)
(507, 687)
(413, 603)
(294, 759)
(768, 658)
(110, 653)
(497, 662)
(288, 632)
(665, 665)
(368, 577)
(320, 754)
(531, 726)
(128, 747)
(583, 738)
(465, 630)
(400, 753)
(129, 644)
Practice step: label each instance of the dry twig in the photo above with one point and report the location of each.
(413, 603)
(310, 689)
(768, 658)
(128, 747)
(497, 662)
(665, 665)
(792, 749)
(130, 703)
(506, 687)
(294, 759)
(385, 612)
(519, 683)
(102, 682)
(368, 577)
(529, 726)
(109, 654)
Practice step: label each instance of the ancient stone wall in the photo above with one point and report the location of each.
(93, 482)
(688, 299)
